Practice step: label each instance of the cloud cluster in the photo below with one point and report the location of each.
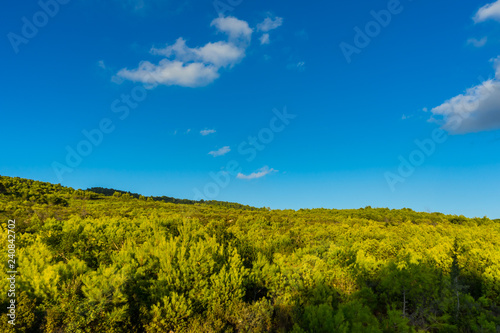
(220, 54)
(257, 174)
(194, 67)
(478, 109)
(488, 12)
(267, 25)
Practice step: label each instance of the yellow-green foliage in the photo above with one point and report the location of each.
(123, 263)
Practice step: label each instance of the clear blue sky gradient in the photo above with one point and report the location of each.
(348, 132)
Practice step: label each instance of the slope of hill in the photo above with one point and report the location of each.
(95, 262)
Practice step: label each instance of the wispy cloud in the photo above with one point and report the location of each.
(222, 151)
(207, 132)
(257, 174)
(488, 12)
(267, 25)
(270, 24)
(477, 42)
(299, 66)
(264, 39)
(198, 66)
(478, 109)
(101, 64)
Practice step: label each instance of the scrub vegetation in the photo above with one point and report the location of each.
(102, 260)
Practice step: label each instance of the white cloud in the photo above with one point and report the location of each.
(234, 28)
(267, 25)
(477, 42)
(222, 151)
(169, 73)
(194, 67)
(207, 132)
(270, 24)
(264, 39)
(257, 174)
(101, 64)
(220, 54)
(478, 109)
(488, 12)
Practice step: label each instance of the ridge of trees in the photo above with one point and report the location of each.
(110, 192)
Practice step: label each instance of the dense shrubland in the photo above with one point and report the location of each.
(95, 262)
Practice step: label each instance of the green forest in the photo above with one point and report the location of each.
(102, 260)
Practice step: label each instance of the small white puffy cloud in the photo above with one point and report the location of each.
(264, 39)
(194, 67)
(207, 132)
(270, 24)
(222, 151)
(490, 11)
(477, 42)
(234, 28)
(478, 109)
(257, 174)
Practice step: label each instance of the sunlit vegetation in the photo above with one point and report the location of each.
(121, 262)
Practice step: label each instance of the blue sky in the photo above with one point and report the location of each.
(266, 103)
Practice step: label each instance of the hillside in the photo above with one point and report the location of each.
(103, 260)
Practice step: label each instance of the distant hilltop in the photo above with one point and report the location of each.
(44, 192)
